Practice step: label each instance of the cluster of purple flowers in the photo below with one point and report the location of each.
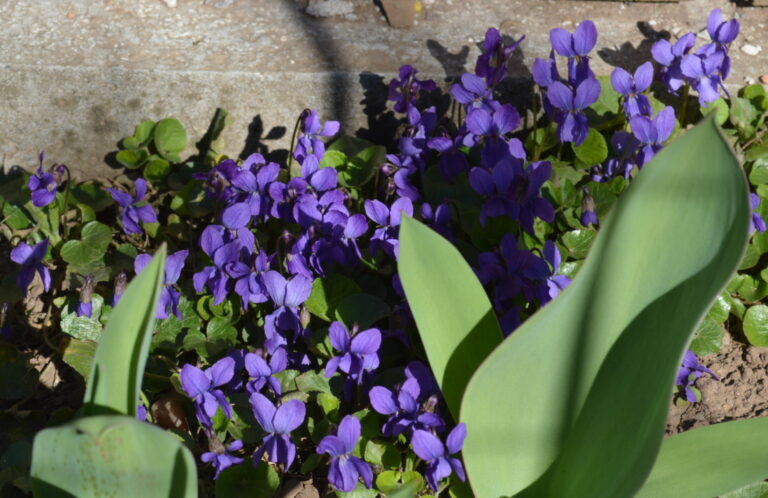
(566, 99)
(277, 231)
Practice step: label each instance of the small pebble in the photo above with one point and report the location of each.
(750, 49)
(71, 15)
(764, 79)
(675, 30)
(170, 3)
(652, 22)
(749, 80)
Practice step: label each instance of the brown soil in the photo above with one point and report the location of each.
(741, 392)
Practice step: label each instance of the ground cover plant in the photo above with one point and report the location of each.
(285, 346)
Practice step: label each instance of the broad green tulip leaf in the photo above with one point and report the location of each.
(118, 367)
(710, 461)
(111, 455)
(455, 319)
(574, 402)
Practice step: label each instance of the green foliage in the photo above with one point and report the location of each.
(94, 240)
(118, 366)
(457, 337)
(111, 455)
(564, 413)
(109, 452)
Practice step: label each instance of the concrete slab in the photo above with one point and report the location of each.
(77, 75)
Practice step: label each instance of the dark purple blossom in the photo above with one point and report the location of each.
(359, 353)
(218, 180)
(576, 48)
(756, 222)
(287, 295)
(473, 92)
(132, 209)
(513, 191)
(556, 283)
(492, 128)
(200, 386)
(121, 282)
(632, 88)
(85, 306)
(42, 186)
(31, 260)
(689, 373)
(572, 125)
(703, 72)
(440, 464)
(249, 283)
(652, 133)
(169, 296)
(403, 408)
(588, 214)
(388, 219)
(345, 468)
(309, 142)
(405, 89)
(223, 249)
(278, 424)
(261, 372)
(670, 57)
(492, 62)
(225, 459)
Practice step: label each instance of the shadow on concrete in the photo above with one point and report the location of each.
(629, 57)
(381, 125)
(254, 141)
(454, 65)
(326, 49)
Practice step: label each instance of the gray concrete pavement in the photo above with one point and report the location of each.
(77, 75)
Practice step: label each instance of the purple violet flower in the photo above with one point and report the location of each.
(721, 32)
(85, 307)
(473, 92)
(652, 133)
(169, 296)
(691, 367)
(309, 142)
(555, 283)
(402, 406)
(388, 219)
(121, 282)
(576, 48)
(345, 468)
(278, 423)
(217, 243)
(224, 460)
(42, 186)
(199, 385)
(702, 70)
(261, 372)
(492, 63)
(439, 462)
(405, 89)
(756, 222)
(31, 260)
(632, 88)
(131, 212)
(572, 125)
(287, 295)
(670, 56)
(358, 354)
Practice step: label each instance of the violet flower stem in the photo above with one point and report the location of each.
(293, 139)
(684, 108)
(63, 214)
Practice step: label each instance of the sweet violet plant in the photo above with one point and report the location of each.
(284, 344)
